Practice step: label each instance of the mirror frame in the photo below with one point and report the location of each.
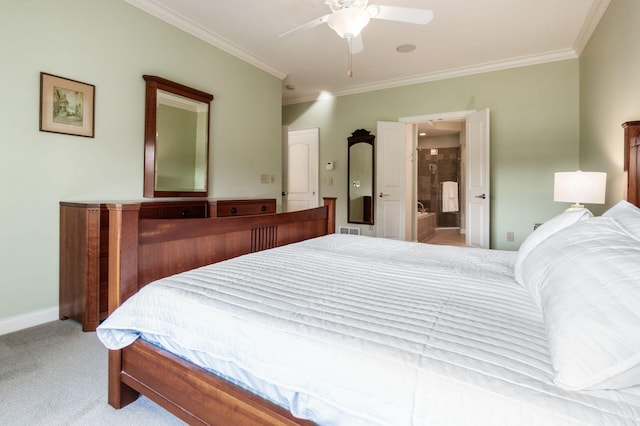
(154, 84)
(361, 136)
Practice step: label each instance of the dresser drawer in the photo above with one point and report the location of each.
(173, 210)
(226, 208)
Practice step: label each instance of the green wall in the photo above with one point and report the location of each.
(109, 44)
(534, 132)
(610, 94)
(544, 118)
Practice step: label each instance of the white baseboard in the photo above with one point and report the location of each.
(30, 319)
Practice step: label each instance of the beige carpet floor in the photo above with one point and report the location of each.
(55, 374)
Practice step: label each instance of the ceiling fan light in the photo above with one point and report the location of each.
(373, 10)
(349, 22)
(336, 5)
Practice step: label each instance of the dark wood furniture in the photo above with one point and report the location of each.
(142, 250)
(632, 160)
(84, 247)
(158, 88)
(174, 209)
(367, 209)
(84, 232)
(226, 208)
(361, 177)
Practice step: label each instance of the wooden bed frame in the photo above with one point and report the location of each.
(143, 250)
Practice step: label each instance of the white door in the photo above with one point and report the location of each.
(477, 180)
(300, 170)
(390, 180)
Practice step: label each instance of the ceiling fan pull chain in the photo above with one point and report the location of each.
(350, 72)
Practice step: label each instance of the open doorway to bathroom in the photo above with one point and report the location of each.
(440, 177)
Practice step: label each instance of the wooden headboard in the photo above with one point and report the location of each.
(632, 160)
(144, 250)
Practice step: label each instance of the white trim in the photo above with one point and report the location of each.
(590, 23)
(30, 319)
(444, 116)
(169, 16)
(523, 61)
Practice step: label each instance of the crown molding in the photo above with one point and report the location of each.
(171, 17)
(523, 61)
(598, 8)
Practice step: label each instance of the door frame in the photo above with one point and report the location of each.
(415, 120)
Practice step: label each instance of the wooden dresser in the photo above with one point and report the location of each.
(226, 208)
(84, 247)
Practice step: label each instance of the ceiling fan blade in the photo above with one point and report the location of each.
(356, 45)
(307, 26)
(402, 14)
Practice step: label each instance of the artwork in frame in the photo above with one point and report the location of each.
(66, 106)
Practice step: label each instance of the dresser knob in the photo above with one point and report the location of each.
(263, 208)
(234, 210)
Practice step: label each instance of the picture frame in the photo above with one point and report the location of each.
(66, 106)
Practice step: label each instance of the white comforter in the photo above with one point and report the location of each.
(359, 331)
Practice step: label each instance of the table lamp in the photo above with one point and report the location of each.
(579, 187)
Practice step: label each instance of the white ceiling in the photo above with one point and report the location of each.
(465, 37)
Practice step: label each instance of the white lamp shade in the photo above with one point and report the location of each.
(348, 22)
(580, 187)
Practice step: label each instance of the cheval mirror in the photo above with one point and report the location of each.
(176, 140)
(361, 161)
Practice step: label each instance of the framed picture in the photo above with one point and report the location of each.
(66, 106)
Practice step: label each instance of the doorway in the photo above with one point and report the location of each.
(439, 172)
(439, 182)
(300, 169)
(472, 177)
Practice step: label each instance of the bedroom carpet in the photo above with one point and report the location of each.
(55, 374)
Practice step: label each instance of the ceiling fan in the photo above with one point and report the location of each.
(349, 17)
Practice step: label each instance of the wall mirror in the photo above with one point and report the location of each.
(361, 161)
(176, 141)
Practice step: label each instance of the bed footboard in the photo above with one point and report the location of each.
(187, 391)
(143, 250)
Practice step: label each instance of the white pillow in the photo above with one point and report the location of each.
(586, 280)
(543, 232)
(627, 215)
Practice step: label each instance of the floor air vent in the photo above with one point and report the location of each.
(348, 230)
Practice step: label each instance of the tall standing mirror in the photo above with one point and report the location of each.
(176, 142)
(361, 160)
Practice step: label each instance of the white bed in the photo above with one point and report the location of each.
(355, 330)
